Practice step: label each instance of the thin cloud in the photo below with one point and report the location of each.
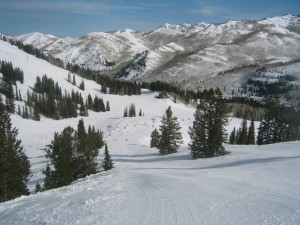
(207, 11)
(79, 7)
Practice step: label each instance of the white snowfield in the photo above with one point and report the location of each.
(251, 185)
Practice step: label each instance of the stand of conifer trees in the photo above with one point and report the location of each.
(72, 155)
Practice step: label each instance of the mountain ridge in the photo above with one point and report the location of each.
(192, 54)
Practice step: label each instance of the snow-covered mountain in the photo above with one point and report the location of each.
(251, 185)
(193, 53)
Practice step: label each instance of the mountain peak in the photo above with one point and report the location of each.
(283, 21)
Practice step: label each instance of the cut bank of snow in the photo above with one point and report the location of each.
(251, 185)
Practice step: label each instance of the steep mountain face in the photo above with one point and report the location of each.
(198, 55)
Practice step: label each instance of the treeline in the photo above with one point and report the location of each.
(36, 52)
(238, 68)
(185, 95)
(282, 86)
(189, 96)
(108, 85)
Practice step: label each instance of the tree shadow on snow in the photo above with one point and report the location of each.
(155, 157)
(217, 166)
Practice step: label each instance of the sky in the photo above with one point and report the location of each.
(75, 18)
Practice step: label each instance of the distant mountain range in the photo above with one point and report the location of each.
(196, 55)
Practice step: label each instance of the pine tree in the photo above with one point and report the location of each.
(81, 85)
(132, 112)
(243, 133)
(107, 163)
(74, 80)
(36, 112)
(61, 155)
(232, 136)
(208, 133)
(19, 110)
(81, 150)
(73, 155)
(69, 77)
(10, 98)
(82, 109)
(103, 89)
(107, 106)
(87, 150)
(251, 133)
(171, 137)
(125, 114)
(14, 164)
(279, 124)
(140, 112)
(38, 187)
(155, 139)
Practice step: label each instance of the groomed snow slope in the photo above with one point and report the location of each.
(251, 185)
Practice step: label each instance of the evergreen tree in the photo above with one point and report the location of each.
(251, 133)
(61, 155)
(140, 112)
(170, 133)
(36, 112)
(69, 77)
(107, 163)
(20, 96)
(14, 164)
(107, 106)
(82, 109)
(81, 85)
(88, 146)
(72, 155)
(232, 136)
(125, 114)
(38, 187)
(74, 80)
(237, 137)
(132, 112)
(19, 110)
(89, 102)
(208, 133)
(243, 133)
(10, 98)
(103, 89)
(279, 124)
(155, 139)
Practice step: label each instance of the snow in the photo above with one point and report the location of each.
(37, 39)
(282, 21)
(251, 185)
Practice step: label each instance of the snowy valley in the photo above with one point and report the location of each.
(249, 185)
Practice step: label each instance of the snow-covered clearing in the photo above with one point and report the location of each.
(251, 185)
